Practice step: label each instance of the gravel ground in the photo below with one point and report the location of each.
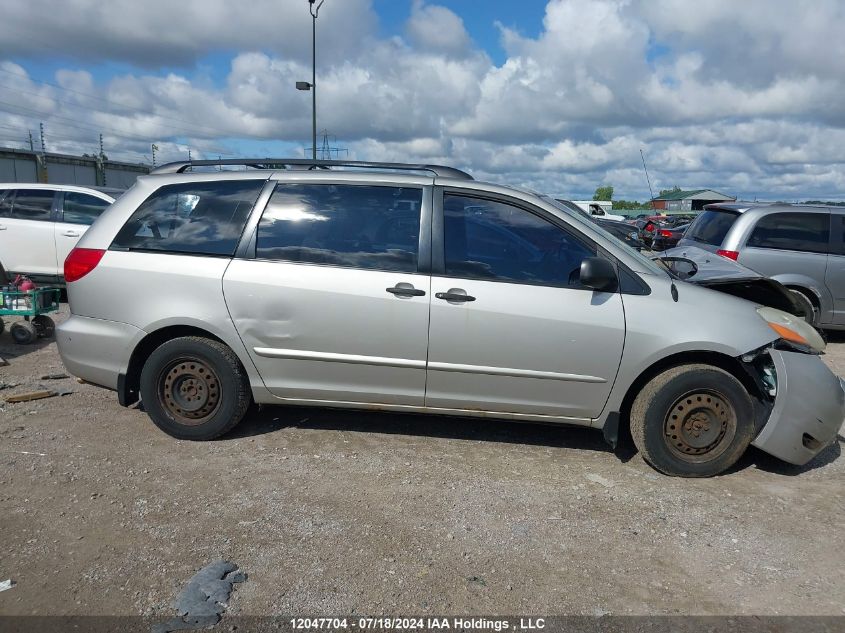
(359, 513)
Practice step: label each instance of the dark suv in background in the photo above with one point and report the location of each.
(800, 246)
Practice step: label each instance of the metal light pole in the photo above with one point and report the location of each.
(314, 8)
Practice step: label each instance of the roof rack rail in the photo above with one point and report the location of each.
(287, 163)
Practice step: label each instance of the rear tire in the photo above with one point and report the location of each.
(23, 332)
(692, 421)
(813, 313)
(194, 388)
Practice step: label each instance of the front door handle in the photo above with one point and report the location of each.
(454, 296)
(71, 233)
(405, 290)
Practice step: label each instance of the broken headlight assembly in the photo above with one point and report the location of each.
(793, 331)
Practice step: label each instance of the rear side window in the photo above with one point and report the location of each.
(711, 226)
(839, 245)
(32, 204)
(5, 204)
(198, 218)
(355, 226)
(809, 232)
(81, 208)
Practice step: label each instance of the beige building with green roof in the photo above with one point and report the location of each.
(686, 201)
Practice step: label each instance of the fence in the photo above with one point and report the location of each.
(18, 165)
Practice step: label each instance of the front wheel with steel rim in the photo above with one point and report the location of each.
(692, 421)
(194, 388)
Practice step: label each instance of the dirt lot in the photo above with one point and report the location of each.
(348, 513)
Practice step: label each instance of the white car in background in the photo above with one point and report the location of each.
(41, 223)
(599, 209)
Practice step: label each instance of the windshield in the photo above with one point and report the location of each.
(711, 226)
(586, 220)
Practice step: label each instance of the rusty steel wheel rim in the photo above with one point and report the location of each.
(189, 390)
(700, 426)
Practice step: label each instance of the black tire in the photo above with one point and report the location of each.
(44, 325)
(194, 388)
(23, 332)
(813, 312)
(2, 326)
(692, 421)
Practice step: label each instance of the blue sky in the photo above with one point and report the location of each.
(556, 95)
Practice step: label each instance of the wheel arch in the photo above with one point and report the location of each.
(730, 364)
(128, 384)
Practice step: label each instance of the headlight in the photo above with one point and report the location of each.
(633, 235)
(792, 328)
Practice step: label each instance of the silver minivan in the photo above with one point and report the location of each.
(801, 246)
(414, 288)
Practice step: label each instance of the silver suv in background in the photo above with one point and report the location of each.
(801, 246)
(414, 288)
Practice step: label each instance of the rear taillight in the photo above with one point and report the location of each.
(734, 255)
(665, 233)
(82, 261)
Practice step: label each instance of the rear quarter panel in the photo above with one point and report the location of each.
(151, 291)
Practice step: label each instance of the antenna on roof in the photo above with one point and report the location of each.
(647, 179)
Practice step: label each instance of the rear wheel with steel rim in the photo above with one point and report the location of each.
(692, 421)
(194, 388)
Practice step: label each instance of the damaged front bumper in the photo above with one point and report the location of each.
(808, 410)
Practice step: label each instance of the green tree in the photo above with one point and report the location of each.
(664, 192)
(605, 192)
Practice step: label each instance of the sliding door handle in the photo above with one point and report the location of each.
(454, 296)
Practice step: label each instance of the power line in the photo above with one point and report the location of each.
(107, 113)
(92, 127)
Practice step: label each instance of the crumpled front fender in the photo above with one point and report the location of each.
(808, 411)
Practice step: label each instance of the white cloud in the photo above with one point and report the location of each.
(437, 29)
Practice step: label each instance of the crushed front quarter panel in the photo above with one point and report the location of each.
(810, 400)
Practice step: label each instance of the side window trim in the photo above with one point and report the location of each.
(837, 233)
(246, 245)
(59, 206)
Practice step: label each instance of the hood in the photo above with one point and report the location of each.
(711, 266)
(727, 276)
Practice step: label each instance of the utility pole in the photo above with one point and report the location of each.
(43, 176)
(154, 147)
(31, 146)
(189, 155)
(101, 164)
(314, 11)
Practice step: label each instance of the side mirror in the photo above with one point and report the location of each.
(599, 274)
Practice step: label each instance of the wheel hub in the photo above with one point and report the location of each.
(700, 424)
(190, 391)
